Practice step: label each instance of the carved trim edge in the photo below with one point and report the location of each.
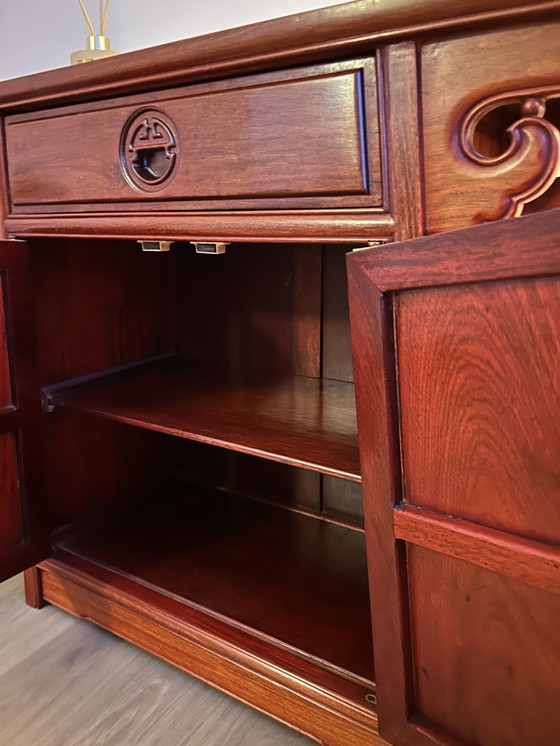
(533, 115)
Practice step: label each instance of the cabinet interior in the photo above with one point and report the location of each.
(202, 440)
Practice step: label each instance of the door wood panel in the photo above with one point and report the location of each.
(23, 526)
(477, 366)
(456, 343)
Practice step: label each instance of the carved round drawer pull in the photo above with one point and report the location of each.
(148, 150)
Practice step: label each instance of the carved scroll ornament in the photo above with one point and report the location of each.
(531, 161)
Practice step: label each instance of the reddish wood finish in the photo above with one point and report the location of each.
(521, 559)
(11, 528)
(489, 644)
(255, 146)
(23, 527)
(512, 64)
(401, 115)
(319, 226)
(372, 344)
(274, 681)
(473, 403)
(251, 565)
(359, 123)
(353, 27)
(495, 251)
(5, 375)
(111, 294)
(477, 399)
(33, 588)
(300, 421)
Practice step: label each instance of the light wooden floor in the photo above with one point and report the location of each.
(64, 682)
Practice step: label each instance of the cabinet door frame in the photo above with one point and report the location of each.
(526, 247)
(20, 417)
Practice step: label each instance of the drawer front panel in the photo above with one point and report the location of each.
(304, 138)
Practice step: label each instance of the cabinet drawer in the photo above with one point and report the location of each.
(301, 138)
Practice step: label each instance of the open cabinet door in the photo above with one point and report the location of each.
(456, 341)
(23, 530)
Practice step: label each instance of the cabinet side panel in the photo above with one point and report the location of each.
(480, 393)
(486, 652)
(101, 304)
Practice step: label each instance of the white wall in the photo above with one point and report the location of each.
(40, 34)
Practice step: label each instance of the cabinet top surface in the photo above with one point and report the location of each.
(345, 29)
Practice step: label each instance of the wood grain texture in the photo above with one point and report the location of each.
(251, 565)
(307, 293)
(242, 474)
(493, 319)
(320, 226)
(118, 298)
(401, 125)
(4, 196)
(305, 422)
(11, 528)
(494, 251)
(529, 561)
(460, 191)
(373, 356)
(479, 394)
(336, 354)
(24, 531)
(81, 685)
(197, 643)
(5, 374)
(351, 28)
(281, 138)
(33, 588)
(252, 302)
(486, 652)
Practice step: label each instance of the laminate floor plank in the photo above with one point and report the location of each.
(65, 682)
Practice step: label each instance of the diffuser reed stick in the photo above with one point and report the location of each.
(97, 44)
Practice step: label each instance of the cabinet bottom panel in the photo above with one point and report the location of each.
(309, 699)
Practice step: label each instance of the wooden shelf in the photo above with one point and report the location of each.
(280, 576)
(304, 422)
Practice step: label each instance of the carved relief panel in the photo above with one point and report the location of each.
(490, 115)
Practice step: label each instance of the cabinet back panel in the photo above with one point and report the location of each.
(260, 479)
(336, 352)
(342, 500)
(486, 649)
(237, 310)
(101, 304)
(480, 384)
(246, 475)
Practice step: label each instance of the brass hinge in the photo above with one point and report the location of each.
(210, 247)
(155, 245)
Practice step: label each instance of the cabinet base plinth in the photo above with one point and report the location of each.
(191, 641)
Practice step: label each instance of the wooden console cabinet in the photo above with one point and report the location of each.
(180, 454)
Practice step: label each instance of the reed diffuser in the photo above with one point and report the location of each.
(98, 45)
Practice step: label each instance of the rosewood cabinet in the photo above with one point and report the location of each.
(347, 521)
